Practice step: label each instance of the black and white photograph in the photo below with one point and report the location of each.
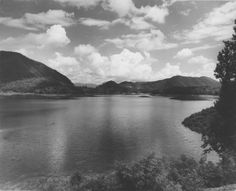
(117, 95)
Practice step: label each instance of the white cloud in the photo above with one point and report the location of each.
(122, 8)
(135, 23)
(168, 71)
(95, 22)
(203, 66)
(66, 65)
(127, 8)
(184, 53)
(131, 65)
(137, 18)
(128, 13)
(155, 13)
(218, 24)
(17, 23)
(144, 41)
(61, 60)
(185, 12)
(41, 20)
(126, 65)
(80, 3)
(54, 37)
(205, 46)
(84, 49)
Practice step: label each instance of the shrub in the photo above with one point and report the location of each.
(165, 174)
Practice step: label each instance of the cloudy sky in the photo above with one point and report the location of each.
(92, 41)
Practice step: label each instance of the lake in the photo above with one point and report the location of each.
(56, 137)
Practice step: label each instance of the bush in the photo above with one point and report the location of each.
(165, 174)
(76, 179)
(148, 174)
(185, 172)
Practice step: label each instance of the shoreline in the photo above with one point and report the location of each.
(180, 97)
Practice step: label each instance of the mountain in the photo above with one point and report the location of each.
(110, 87)
(21, 74)
(174, 85)
(182, 85)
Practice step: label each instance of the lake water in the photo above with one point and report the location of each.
(56, 137)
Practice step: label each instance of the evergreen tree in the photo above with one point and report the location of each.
(223, 130)
(226, 72)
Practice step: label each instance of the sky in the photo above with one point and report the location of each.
(93, 41)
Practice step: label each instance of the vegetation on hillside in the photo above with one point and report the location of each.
(176, 85)
(201, 121)
(21, 74)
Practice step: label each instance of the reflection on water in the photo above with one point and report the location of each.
(41, 137)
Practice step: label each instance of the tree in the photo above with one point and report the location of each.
(223, 131)
(226, 72)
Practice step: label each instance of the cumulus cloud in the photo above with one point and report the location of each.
(127, 12)
(168, 71)
(89, 65)
(218, 24)
(122, 8)
(84, 49)
(184, 53)
(202, 66)
(131, 65)
(66, 65)
(155, 13)
(54, 37)
(41, 20)
(124, 65)
(144, 41)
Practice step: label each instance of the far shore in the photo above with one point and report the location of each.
(181, 97)
(36, 95)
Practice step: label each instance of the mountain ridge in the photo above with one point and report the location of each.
(173, 85)
(19, 73)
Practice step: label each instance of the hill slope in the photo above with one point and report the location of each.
(21, 74)
(174, 85)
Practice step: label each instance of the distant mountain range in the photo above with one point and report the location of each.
(21, 74)
(174, 85)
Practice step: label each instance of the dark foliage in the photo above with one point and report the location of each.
(218, 124)
(165, 174)
(222, 132)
